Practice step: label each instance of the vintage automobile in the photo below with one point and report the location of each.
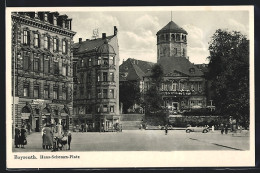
(197, 129)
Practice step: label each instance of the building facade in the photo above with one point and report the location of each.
(42, 68)
(96, 82)
(184, 85)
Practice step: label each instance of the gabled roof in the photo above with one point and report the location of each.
(135, 69)
(90, 45)
(180, 64)
(172, 27)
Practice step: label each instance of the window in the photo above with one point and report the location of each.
(112, 77)
(36, 40)
(178, 37)
(26, 62)
(183, 52)
(105, 60)
(105, 108)
(174, 86)
(112, 109)
(192, 87)
(99, 93)
(199, 86)
(111, 93)
(26, 90)
(64, 46)
(55, 44)
(99, 61)
(47, 66)
(45, 17)
(36, 64)
(98, 108)
(98, 77)
(55, 92)
(112, 60)
(182, 37)
(26, 37)
(64, 70)
(89, 62)
(46, 92)
(36, 91)
(64, 94)
(200, 102)
(82, 63)
(192, 102)
(47, 42)
(54, 21)
(104, 76)
(89, 77)
(104, 93)
(173, 37)
(89, 94)
(56, 68)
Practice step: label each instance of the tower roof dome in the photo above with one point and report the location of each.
(172, 27)
(106, 48)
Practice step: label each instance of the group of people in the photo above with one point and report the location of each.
(224, 128)
(52, 135)
(20, 136)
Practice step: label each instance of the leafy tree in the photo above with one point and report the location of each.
(153, 98)
(129, 94)
(229, 74)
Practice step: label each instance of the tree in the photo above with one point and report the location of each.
(229, 74)
(129, 94)
(153, 98)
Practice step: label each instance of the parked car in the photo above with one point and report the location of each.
(197, 129)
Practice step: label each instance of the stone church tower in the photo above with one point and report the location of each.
(171, 41)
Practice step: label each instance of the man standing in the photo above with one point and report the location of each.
(17, 136)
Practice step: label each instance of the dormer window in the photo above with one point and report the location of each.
(54, 20)
(192, 70)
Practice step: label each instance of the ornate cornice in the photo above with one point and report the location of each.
(42, 25)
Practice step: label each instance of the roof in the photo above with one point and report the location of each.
(179, 64)
(135, 69)
(90, 45)
(172, 27)
(106, 48)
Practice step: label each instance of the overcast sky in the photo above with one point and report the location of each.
(137, 29)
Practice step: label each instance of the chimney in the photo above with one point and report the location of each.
(115, 30)
(80, 40)
(104, 36)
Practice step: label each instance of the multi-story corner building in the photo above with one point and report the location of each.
(42, 77)
(96, 82)
(184, 84)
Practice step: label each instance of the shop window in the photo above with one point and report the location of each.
(104, 76)
(112, 109)
(36, 92)
(111, 94)
(105, 108)
(36, 40)
(26, 90)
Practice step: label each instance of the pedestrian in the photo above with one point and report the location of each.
(59, 129)
(213, 128)
(166, 129)
(29, 128)
(226, 129)
(86, 127)
(69, 138)
(17, 136)
(222, 128)
(23, 140)
(82, 127)
(47, 137)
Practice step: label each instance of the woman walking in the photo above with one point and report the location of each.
(23, 140)
(47, 137)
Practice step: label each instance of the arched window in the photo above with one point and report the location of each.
(182, 37)
(173, 37)
(178, 37)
